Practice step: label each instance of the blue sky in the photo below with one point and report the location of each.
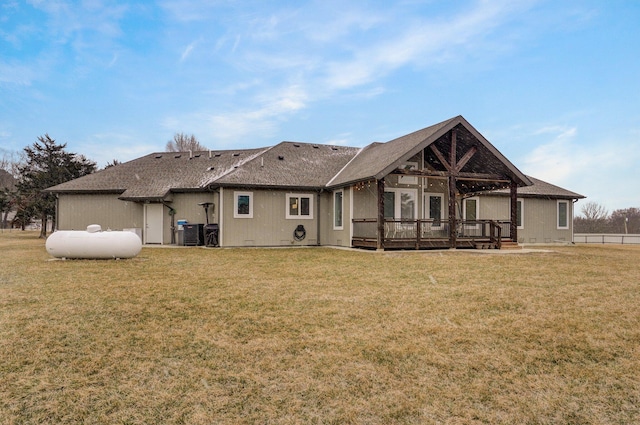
(554, 85)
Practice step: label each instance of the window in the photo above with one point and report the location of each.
(433, 203)
(299, 206)
(470, 213)
(563, 214)
(337, 209)
(471, 209)
(400, 204)
(409, 166)
(389, 204)
(243, 205)
(520, 214)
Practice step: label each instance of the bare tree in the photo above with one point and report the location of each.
(9, 173)
(112, 164)
(594, 211)
(183, 143)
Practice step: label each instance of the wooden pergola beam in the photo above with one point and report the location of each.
(467, 156)
(445, 174)
(440, 157)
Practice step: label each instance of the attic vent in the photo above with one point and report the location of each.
(177, 156)
(280, 157)
(217, 155)
(333, 148)
(315, 146)
(297, 145)
(158, 156)
(197, 155)
(236, 154)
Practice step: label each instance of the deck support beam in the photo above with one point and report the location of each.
(380, 243)
(513, 231)
(452, 174)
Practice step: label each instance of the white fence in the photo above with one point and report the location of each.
(604, 238)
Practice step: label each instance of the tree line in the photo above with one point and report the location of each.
(47, 163)
(596, 219)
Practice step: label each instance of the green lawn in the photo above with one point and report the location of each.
(290, 336)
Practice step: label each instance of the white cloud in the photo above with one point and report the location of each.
(258, 123)
(424, 42)
(590, 167)
(192, 11)
(187, 51)
(121, 146)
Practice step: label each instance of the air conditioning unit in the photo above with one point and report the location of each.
(193, 234)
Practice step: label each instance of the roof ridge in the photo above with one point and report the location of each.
(243, 162)
(346, 165)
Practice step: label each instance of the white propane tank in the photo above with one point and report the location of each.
(93, 243)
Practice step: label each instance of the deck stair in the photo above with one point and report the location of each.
(485, 245)
(509, 245)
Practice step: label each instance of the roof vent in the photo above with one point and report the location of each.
(316, 146)
(297, 145)
(210, 168)
(280, 157)
(159, 156)
(217, 155)
(178, 156)
(236, 154)
(333, 148)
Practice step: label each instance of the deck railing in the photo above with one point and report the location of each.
(426, 229)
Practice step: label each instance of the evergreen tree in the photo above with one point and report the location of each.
(47, 164)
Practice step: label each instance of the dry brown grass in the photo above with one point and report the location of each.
(288, 336)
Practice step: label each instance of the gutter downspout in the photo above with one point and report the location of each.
(318, 217)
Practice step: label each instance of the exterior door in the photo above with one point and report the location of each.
(400, 204)
(433, 208)
(153, 215)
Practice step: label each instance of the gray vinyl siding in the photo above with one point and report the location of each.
(541, 222)
(269, 225)
(186, 208)
(494, 208)
(329, 235)
(540, 218)
(365, 201)
(76, 212)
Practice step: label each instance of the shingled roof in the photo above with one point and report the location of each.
(288, 165)
(374, 159)
(153, 176)
(379, 159)
(539, 189)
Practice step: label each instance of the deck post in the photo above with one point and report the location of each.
(513, 231)
(380, 184)
(452, 212)
(452, 190)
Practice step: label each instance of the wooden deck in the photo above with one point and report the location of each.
(370, 243)
(430, 234)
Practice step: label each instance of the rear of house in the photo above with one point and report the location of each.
(442, 186)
